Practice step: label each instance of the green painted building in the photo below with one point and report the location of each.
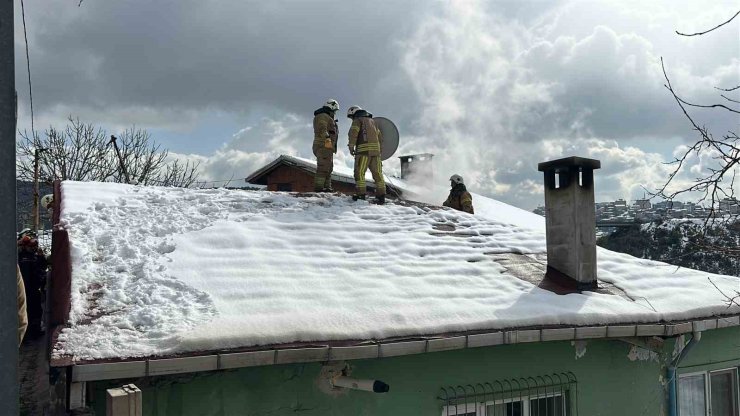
(605, 376)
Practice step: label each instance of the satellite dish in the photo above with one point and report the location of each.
(390, 137)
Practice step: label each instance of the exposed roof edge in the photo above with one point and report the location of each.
(211, 362)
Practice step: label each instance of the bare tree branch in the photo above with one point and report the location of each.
(730, 300)
(709, 106)
(707, 31)
(727, 89)
(711, 186)
(729, 99)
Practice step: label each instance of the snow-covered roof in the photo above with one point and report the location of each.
(164, 271)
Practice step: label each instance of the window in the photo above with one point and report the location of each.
(285, 187)
(712, 393)
(549, 395)
(553, 405)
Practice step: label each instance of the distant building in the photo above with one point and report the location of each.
(729, 206)
(642, 204)
(295, 174)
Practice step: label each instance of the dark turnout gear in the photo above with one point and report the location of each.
(32, 265)
(460, 199)
(365, 141)
(324, 146)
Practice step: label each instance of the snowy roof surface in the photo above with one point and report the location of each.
(161, 271)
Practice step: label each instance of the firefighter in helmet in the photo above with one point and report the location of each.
(324, 144)
(365, 141)
(459, 197)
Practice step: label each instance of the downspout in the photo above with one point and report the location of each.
(672, 382)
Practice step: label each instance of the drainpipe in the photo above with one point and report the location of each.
(672, 381)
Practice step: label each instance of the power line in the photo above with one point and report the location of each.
(28, 66)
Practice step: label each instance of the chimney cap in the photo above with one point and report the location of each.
(567, 162)
(426, 155)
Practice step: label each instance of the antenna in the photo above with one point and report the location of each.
(390, 137)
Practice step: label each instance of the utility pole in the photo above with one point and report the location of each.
(36, 155)
(8, 250)
(121, 165)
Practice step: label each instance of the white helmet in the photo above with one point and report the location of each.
(457, 179)
(47, 200)
(332, 104)
(352, 110)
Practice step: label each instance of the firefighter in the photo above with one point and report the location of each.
(365, 141)
(32, 265)
(459, 198)
(324, 144)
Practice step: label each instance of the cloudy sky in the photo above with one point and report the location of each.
(490, 87)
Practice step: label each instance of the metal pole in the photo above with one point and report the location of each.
(36, 153)
(121, 165)
(8, 250)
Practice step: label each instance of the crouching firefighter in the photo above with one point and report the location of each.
(365, 141)
(459, 197)
(324, 144)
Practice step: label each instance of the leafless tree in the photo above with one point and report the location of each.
(82, 152)
(717, 182)
(78, 152)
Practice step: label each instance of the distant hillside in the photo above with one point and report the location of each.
(24, 205)
(680, 242)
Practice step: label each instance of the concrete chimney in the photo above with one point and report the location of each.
(571, 219)
(417, 165)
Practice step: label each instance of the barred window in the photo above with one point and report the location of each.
(547, 395)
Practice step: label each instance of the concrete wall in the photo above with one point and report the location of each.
(614, 378)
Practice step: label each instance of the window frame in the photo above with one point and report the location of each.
(707, 376)
(479, 408)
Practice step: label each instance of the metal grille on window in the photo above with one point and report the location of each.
(547, 395)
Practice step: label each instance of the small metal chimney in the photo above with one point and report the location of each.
(417, 165)
(571, 219)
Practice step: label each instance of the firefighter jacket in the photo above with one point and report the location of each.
(324, 127)
(364, 137)
(460, 199)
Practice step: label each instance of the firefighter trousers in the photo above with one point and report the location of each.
(362, 163)
(324, 167)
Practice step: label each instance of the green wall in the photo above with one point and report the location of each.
(609, 381)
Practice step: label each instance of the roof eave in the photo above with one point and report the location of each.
(284, 354)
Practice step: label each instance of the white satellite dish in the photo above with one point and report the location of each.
(390, 137)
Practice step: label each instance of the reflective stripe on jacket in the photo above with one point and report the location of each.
(364, 137)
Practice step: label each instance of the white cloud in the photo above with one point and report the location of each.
(492, 88)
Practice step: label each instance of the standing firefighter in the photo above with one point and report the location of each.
(459, 198)
(32, 265)
(324, 144)
(365, 141)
